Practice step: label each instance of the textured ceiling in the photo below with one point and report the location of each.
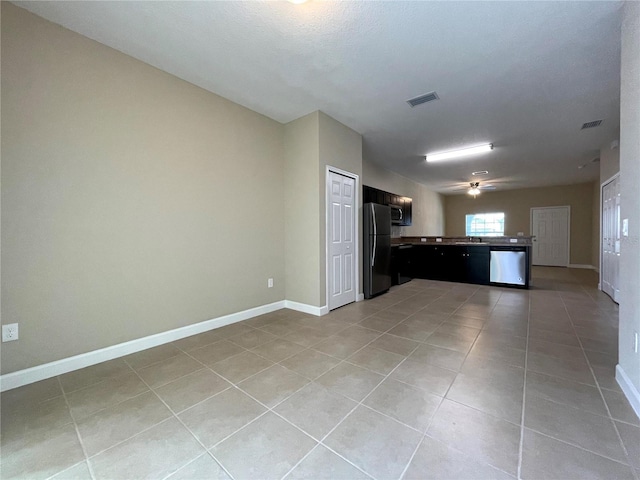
(523, 75)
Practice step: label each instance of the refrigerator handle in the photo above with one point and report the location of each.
(373, 258)
(375, 235)
(375, 226)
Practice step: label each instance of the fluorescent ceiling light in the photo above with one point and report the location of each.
(463, 152)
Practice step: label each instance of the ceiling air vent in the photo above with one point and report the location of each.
(427, 97)
(595, 123)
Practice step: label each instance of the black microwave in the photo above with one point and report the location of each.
(397, 215)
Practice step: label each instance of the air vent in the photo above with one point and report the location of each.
(481, 172)
(595, 123)
(427, 97)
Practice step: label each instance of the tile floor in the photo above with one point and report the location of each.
(431, 380)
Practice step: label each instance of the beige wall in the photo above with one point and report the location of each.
(302, 193)
(427, 206)
(340, 147)
(517, 204)
(629, 360)
(609, 162)
(312, 143)
(132, 201)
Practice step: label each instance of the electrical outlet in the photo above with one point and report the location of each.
(9, 332)
(270, 283)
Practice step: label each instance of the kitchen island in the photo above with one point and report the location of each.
(503, 261)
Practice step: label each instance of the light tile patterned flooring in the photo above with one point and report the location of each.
(431, 380)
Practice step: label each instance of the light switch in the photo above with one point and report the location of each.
(625, 227)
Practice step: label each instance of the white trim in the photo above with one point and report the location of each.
(582, 265)
(69, 364)
(629, 389)
(610, 179)
(327, 197)
(360, 297)
(568, 207)
(305, 308)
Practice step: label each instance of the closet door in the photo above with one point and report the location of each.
(611, 237)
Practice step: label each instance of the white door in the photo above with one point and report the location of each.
(342, 231)
(550, 226)
(610, 237)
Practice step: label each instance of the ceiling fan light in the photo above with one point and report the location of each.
(462, 152)
(474, 190)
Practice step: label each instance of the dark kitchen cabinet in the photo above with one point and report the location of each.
(452, 263)
(475, 265)
(394, 265)
(407, 211)
(373, 195)
(429, 262)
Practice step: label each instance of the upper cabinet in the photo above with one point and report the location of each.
(401, 206)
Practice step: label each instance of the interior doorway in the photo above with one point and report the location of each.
(610, 237)
(550, 226)
(342, 234)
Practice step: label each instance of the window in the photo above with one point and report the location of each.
(485, 224)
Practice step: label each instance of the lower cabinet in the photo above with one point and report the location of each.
(453, 263)
(402, 259)
(476, 265)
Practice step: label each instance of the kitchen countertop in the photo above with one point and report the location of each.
(479, 241)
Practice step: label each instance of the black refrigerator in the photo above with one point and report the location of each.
(377, 249)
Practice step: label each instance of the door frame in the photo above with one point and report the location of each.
(600, 245)
(356, 208)
(568, 207)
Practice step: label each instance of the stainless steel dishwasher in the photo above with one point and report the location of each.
(509, 266)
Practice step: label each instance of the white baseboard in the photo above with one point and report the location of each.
(629, 389)
(360, 297)
(305, 308)
(65, 365)
(581, 265)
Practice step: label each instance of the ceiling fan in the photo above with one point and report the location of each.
(475, 188)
